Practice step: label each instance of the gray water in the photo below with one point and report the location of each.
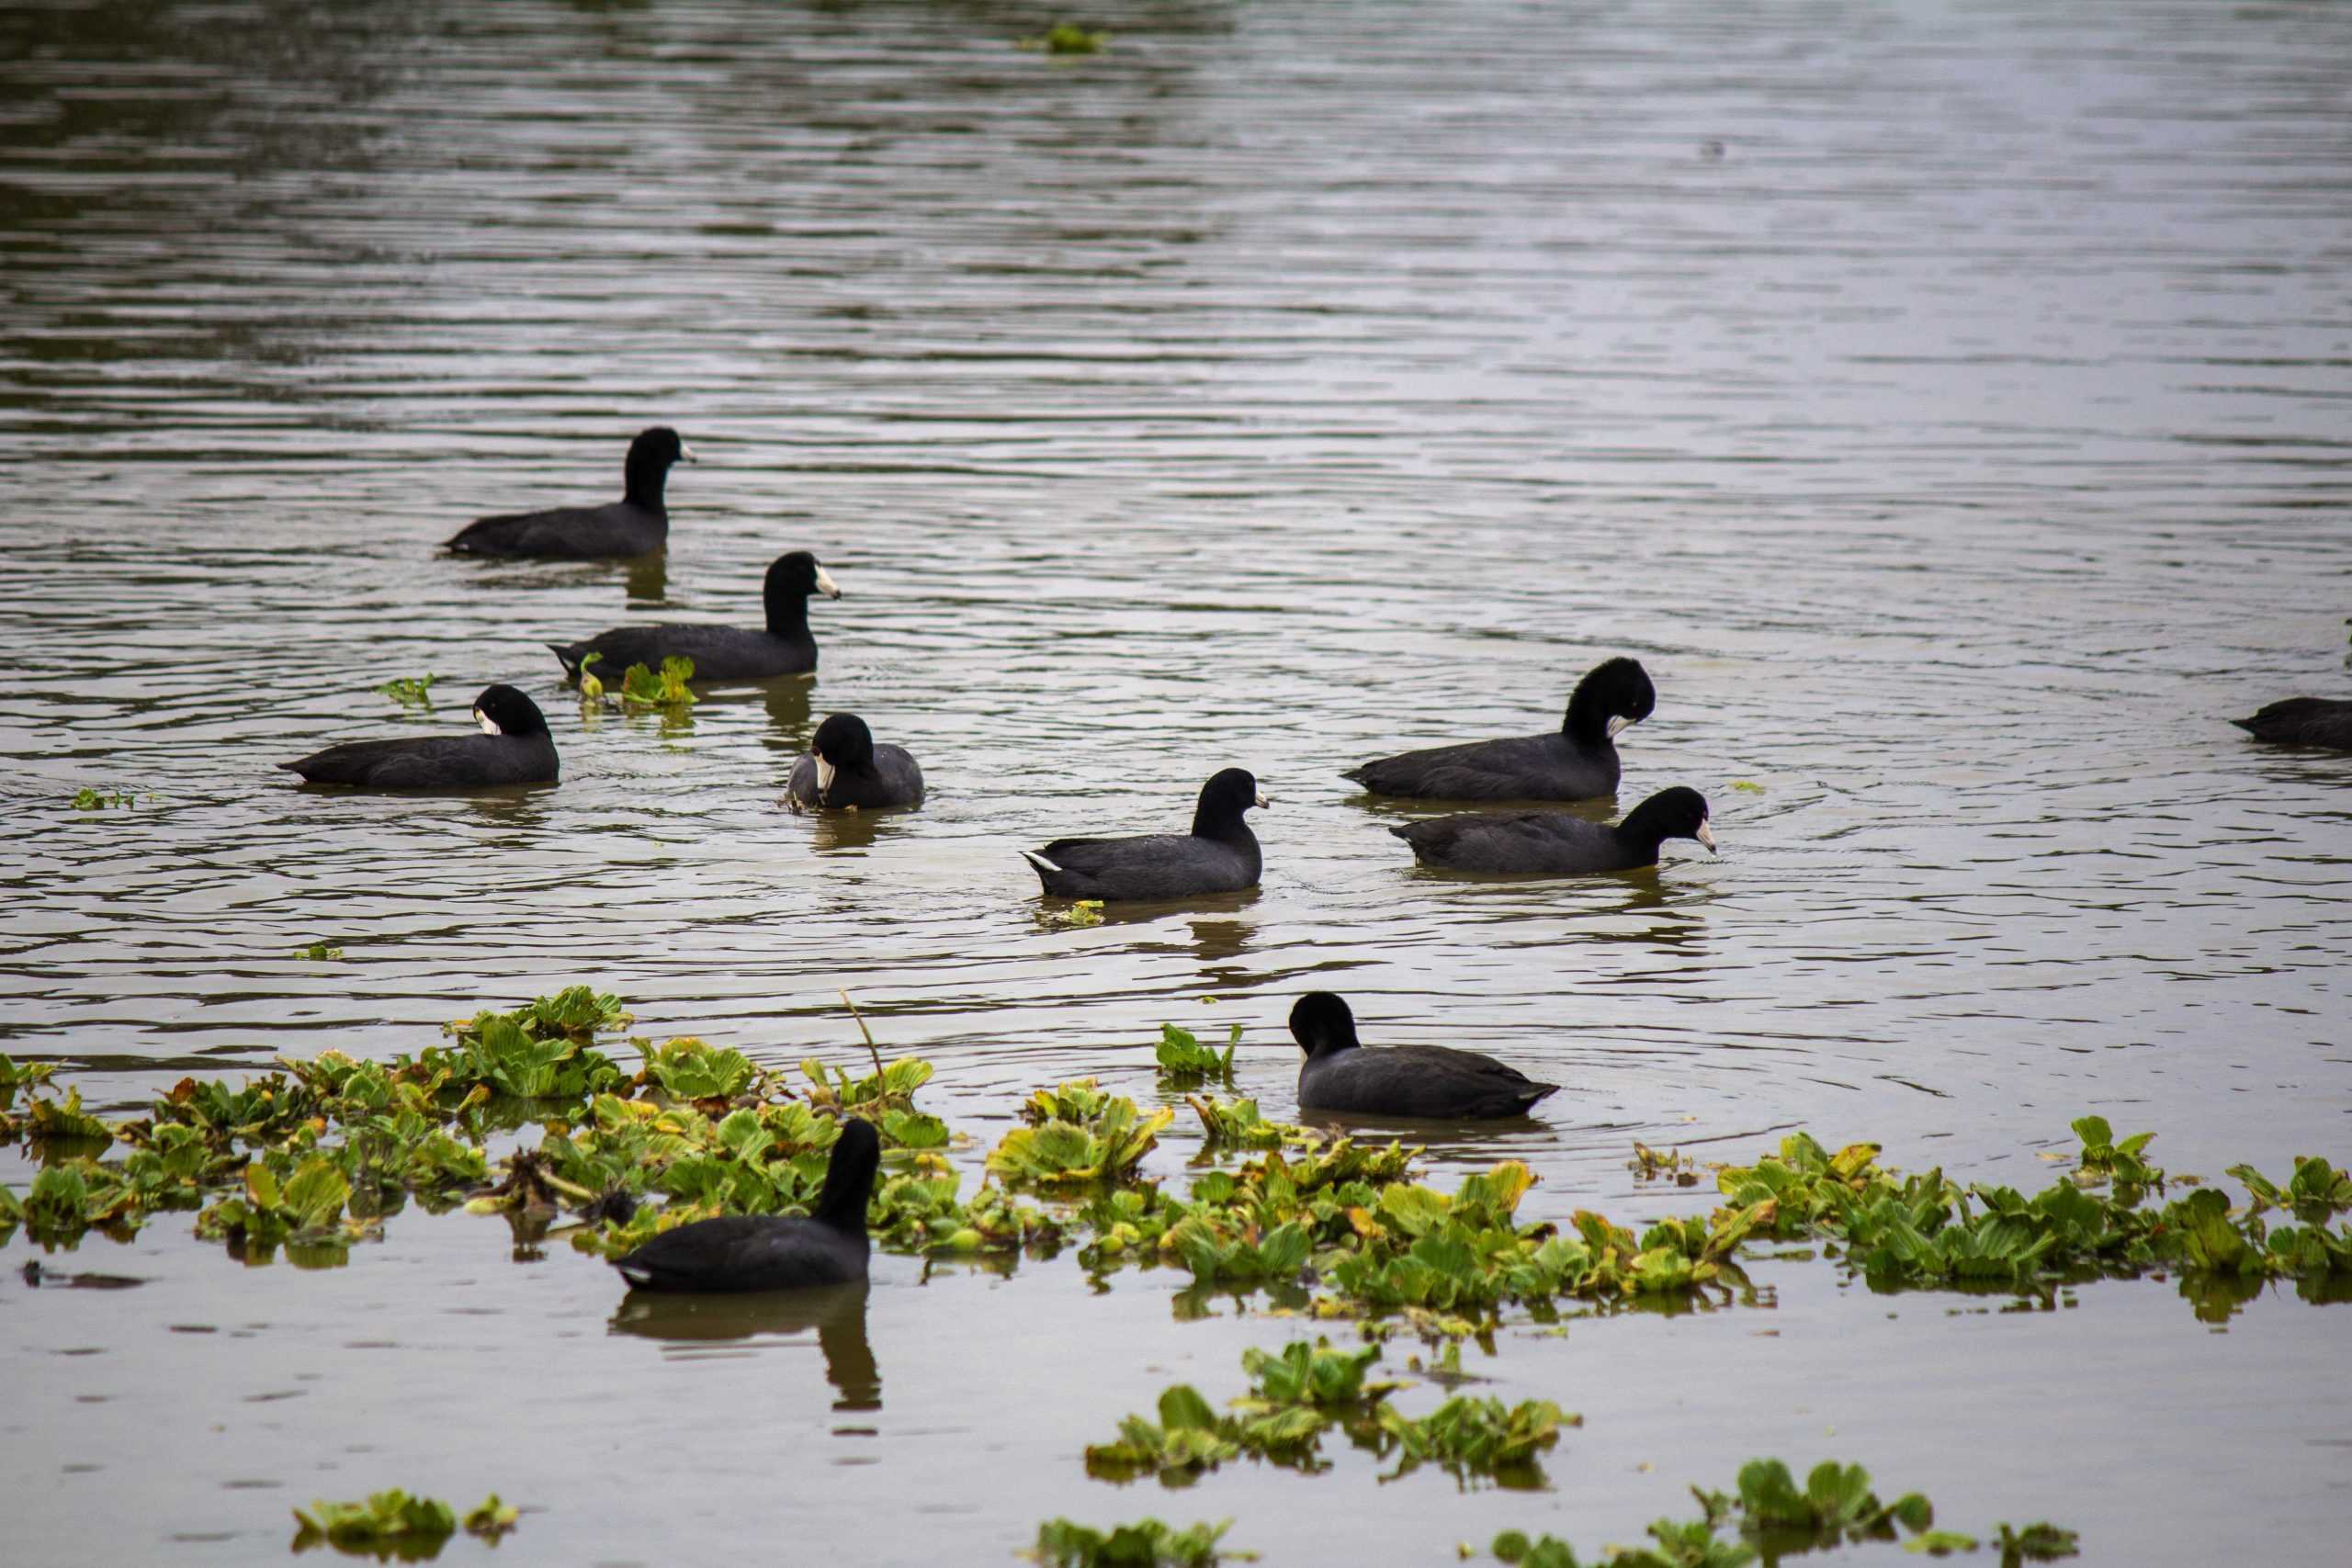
(1947, 404)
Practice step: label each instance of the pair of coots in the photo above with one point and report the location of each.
(829, 1246)
(1576, 762)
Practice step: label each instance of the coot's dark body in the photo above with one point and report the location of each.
(844, 767)
(636, 524)
(1574, 762)
(1220, 855)
(1341, 1075)
(1557, 843)
(766, 1252)
(514, 749)
(721, 653)
(2303, 721)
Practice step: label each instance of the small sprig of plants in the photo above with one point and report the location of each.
(88, 799)
(591, 685)
(394, 1522)
(1067, 38)
(642, 688)
(410, 690)
(1076, 916)
(319, 952)
(1185, 1063)
(1146, 1543)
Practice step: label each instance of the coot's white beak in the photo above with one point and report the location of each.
(1706, 836)
(489, 725)
(826, 585)
(1619, 723)
(1261, 798)
(825, 772)
(686, 454)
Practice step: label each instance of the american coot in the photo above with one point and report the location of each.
(722, 653)
(1220, 855)
(1556, 842)
(1398, 1080)
(766, 1252)
(2303, 721)
(1578, 761)
(514, 748)
(842, 767)
(633, 525)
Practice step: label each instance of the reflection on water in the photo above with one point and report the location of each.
(689, 1325)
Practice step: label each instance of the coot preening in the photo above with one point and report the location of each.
(1220, 855)
(722, 653)
(514, 748)
(767, 1252)
(1575, 762)
(843, 767)
(1556, 842)
(2303, 721)
(1340, 1074)
(634, 526)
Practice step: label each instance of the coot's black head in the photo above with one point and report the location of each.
(1613, 693)
(1676, 813)
(650, 458)
(796, 576)
(1222, 800)
(843, 745)
(849, 1178)
(502, 710)
(1321, 1024)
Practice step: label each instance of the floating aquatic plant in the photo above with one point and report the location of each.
(1079, 913)
(641, 687)
(1146, 1543)
(87, 799)
(1066, 38)
(1185, 1063)
(1080, 1137)
(410, 690)
(394, 1521)
(2039, 1543)
(319, 952)
(591, 685)
(1835, 1506)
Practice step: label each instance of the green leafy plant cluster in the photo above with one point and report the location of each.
(410, 690)
(396, 1522)
(642, 687)
(88, 799)
(1077, 1137)
(1185, 1063)
(1768, 1513)
(1909, 1232)
(1302, 1392)
(1146, 1543)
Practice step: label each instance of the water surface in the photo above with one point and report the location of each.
(1946, 404)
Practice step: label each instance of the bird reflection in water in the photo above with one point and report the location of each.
(685, 1322)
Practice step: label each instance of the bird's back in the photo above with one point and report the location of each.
(570, 533)
(1418, 1080)
(746, 1252)
(1529, 767)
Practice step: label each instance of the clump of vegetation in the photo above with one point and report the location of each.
(1146, 1543)
(1773, 1514)
(1663, 1165)
(409, 692)
(1302, 1392)
(591, 685)
(87, 800)
(1066, 38)
(319, 953)
(1748, 786)
(394, 1522)
(1185, 1063)
(1078, 1136)
(1080, 913)
(641, 687)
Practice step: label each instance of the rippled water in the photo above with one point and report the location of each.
(1947, 404)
